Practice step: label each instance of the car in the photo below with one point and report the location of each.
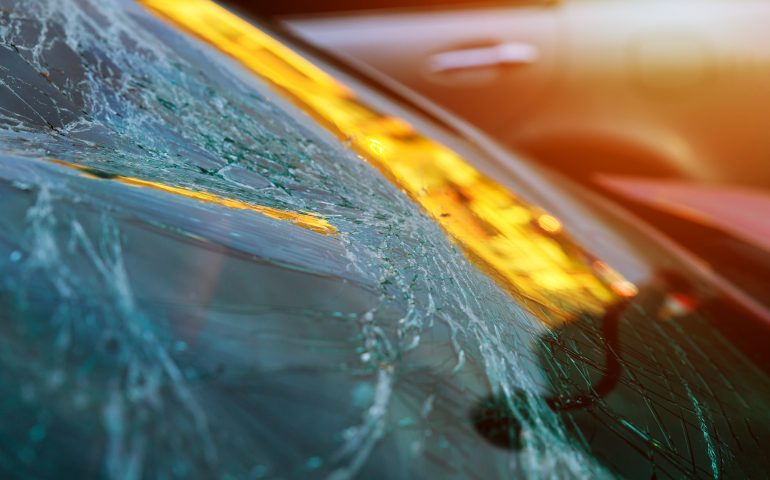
(224, 255)
(636, 88)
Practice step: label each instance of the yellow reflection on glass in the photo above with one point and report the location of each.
(307, 221)
(524, 248)
(549, 223)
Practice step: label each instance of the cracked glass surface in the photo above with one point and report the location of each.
(198, 280)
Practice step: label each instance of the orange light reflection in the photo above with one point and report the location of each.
(307, 221)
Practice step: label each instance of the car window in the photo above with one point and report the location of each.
(198, 280)
(219, 260)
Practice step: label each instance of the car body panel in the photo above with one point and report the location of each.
(629, 87)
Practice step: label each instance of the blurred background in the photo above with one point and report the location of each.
(660, 106)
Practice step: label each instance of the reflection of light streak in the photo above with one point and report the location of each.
(549, 223)
(304, 220)
(521, 246)
(375, 146)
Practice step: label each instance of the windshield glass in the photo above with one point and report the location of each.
(208, 272)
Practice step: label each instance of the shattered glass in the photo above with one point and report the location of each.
(197, 281)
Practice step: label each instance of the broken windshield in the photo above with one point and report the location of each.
(217, 259)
